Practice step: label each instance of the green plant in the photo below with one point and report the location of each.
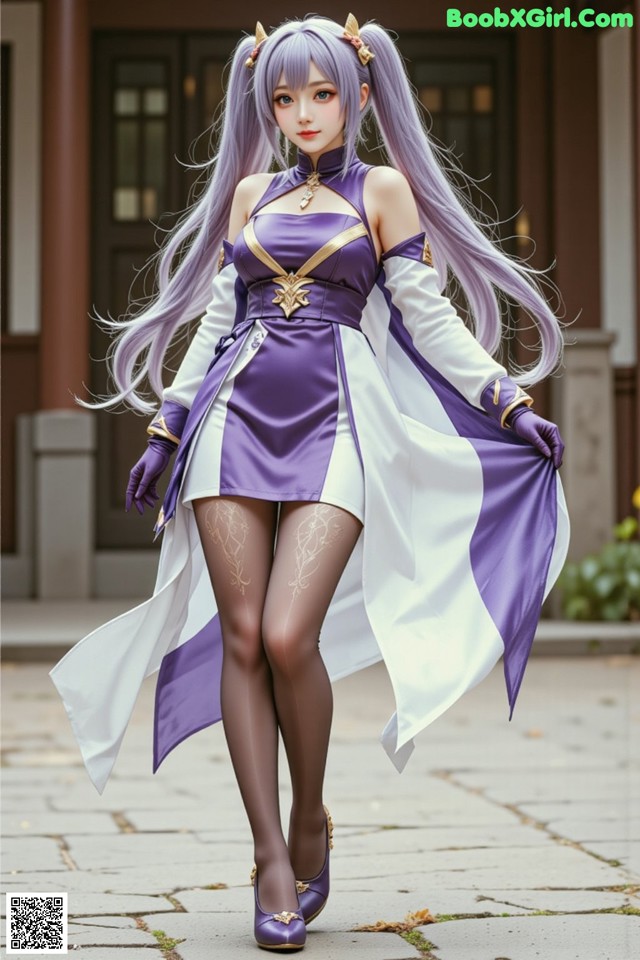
(606, 586)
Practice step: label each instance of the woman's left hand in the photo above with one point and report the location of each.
(543, 434)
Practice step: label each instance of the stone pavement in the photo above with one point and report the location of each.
(519, 839)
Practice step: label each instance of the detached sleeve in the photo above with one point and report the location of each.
(438, 333)
(226, 308)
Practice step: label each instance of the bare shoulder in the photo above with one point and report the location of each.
(389, 184)
(394, 205)
(251, 188)
(247, 193)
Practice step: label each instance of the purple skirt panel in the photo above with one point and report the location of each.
(281, 429)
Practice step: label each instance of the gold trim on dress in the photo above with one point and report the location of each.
(520, 398)
(159, 428)
(293, 295)
(496, 393)
(426, 253)
(220, 258)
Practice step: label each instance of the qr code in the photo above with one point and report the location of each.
(36, 923)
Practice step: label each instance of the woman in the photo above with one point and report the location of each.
(351, 418)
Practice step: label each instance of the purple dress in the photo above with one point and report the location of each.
(280, 428)
(301, 387)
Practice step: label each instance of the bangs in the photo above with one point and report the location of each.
(288, 54)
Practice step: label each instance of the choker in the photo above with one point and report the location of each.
(329, 165)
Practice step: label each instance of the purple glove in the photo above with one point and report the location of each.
(543, 434)
(508, 404)
(142, 479)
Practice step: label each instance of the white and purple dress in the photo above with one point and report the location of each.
(359, 386)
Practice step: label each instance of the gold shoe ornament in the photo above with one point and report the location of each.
(286, 916)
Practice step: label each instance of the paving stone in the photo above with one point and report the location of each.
(74, 882)
(115, 953)
(350, 908)
(194, 818)
(35, 823)
(229, 900)
(231, 935)
(120, 796)
(556, 900)
(41, 781)
(625, 829)
(48, 757)
(354, 906)
(626, 851)
(583, 830)
(531, 785)
(108, 931)
(604, 811)
(19, 802)
(576, 725)
(459, 807)
(393, 842)
(31, 853)
(131, 849)
(146, 879)
(82, 904)
(604, 936)
(554, 865)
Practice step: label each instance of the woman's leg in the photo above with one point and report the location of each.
(313, 545)
(237, 535)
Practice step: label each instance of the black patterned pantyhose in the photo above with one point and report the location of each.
(271, 608)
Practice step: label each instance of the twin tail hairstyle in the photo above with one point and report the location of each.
(466, 253)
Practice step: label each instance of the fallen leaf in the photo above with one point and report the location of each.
(411, 920)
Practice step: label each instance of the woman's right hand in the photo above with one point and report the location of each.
(141, 488)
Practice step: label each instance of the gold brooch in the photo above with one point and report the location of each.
(292, 296)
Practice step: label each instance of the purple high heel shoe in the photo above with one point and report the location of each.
(277, 931)
(313, 894)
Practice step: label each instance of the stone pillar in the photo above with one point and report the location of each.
(64, 343)
(63, 432)
(64, 444)
(583, 408)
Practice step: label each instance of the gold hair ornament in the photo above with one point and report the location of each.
(352, 34)
(261, 36)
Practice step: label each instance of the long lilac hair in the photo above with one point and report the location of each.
(249, 139)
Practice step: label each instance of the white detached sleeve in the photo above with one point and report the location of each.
(226, 308)
(438, 333)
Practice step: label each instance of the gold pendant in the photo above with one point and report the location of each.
(313, 182)
(292, 295)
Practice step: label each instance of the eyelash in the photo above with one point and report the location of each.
(326, 100)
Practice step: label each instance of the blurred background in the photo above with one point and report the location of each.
(102, 103)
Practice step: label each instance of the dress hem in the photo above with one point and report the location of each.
(274, 496)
